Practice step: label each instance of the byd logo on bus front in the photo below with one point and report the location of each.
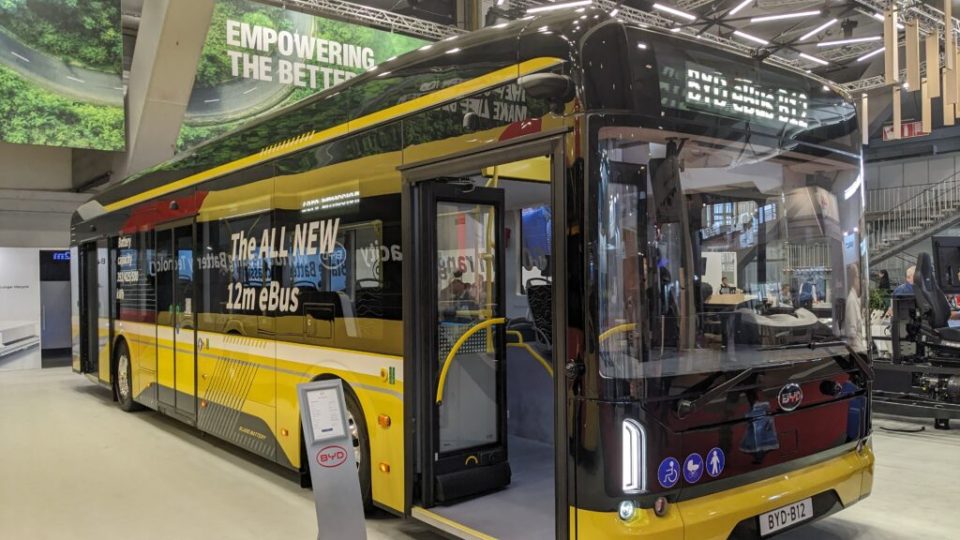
(790, 397)
(331, 456)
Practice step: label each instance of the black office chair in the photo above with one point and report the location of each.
(932, 306)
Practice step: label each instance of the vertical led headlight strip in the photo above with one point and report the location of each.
(634, 457)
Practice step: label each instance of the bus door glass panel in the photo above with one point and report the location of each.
(75, 308)
(165, 271)
(103, 309)
(184, 317)
(89, 309)
(467, 294)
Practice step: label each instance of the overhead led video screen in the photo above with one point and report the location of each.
(60, 73)
(258, 58)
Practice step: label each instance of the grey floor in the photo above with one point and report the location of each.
(525, 509)
(73, 466)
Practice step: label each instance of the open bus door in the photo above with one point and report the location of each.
(456, 340)
(94, 291)
(463, 301)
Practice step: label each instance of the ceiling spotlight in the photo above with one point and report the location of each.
(848, 41)
(820, 61)
(740, 6)
(871, 54)
(674, 11)
(783, 16)
(818, 29)
(748, 37)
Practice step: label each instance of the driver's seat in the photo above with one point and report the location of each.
(931, 302)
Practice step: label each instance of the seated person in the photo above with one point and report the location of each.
(726, 287)
(808, 294)
(457, 295)
(786, 296)
(904, 289)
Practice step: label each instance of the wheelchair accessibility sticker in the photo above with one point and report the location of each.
(669, 472)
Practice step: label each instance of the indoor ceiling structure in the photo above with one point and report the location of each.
(839, 40)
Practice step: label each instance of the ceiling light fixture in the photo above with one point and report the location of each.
(553, 7)
(674, 11)
(782, 16)
(848, 41)
(755, 39)
(740, 6)
(614, 12)
(871, 54)
(818, 29)
(820, 61)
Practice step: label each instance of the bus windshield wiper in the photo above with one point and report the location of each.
(685, 406)
(810, 345)
(857, 357)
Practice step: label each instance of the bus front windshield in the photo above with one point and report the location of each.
(718, 254)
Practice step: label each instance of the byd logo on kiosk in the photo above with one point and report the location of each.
(331, 456)
(790, 397)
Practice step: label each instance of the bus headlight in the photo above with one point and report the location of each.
(634, 457)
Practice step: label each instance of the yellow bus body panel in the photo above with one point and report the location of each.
(713, 517)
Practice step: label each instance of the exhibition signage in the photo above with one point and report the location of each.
(908, 130)
(60, 73)
(258, 58)
(333, 467)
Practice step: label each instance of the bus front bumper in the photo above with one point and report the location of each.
(846, 478)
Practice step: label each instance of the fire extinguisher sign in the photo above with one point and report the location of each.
(333, 467)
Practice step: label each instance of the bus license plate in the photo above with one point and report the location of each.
(786, 516)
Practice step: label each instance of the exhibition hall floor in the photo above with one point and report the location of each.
(72, 465)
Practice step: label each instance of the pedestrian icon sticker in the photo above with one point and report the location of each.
(693, 468)
(669, 472)
(715, 462)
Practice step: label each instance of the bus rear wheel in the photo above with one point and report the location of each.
(123, 378)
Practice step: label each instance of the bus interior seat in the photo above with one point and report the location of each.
(540, 299)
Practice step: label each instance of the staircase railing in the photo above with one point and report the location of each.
(882, 200)
(922, 215)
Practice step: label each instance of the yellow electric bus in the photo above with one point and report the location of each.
(580, 279)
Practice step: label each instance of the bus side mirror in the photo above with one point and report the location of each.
(554, 88)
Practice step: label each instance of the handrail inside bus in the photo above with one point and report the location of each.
(618, 329)
(463, 339)
(526, 346)
(456, 348)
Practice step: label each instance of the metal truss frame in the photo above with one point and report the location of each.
(373, 17)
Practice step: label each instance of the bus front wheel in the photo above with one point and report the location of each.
(361, 446)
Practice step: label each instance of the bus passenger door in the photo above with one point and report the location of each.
(94, 315)
(176, 332)
(463, 368)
